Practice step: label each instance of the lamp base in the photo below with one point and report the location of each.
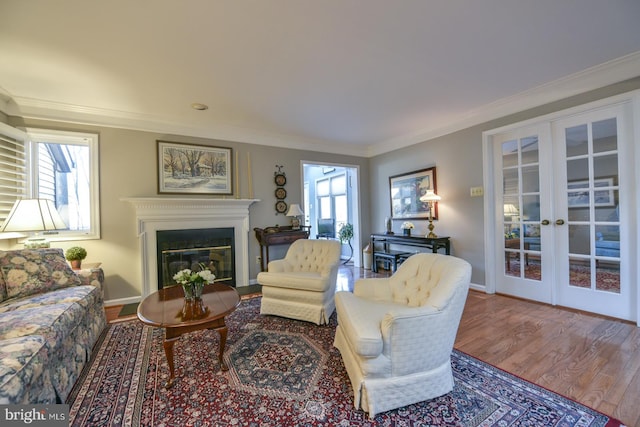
(431, 234)
(295, 224)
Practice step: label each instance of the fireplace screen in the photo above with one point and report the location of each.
(192, 249)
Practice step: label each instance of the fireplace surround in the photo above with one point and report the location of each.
(154, 214)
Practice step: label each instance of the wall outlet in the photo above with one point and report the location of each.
(258, 259)
(476, 191)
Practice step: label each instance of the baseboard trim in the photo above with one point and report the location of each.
(122, 301)
(476, 287)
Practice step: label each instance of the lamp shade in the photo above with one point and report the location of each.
(430, 196)
(294, 210)
(33, 215)
(510, 209)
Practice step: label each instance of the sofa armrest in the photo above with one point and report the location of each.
(279, 266)
(360, 321)
(93, 276)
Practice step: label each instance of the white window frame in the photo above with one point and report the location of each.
(91, 140)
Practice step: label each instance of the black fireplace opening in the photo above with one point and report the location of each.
(193, 248)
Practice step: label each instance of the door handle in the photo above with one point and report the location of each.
(545, 222)
(560, 222)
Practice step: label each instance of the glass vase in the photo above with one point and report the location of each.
(197, 290)
(387, 225)
(188, 291)
(193, 291)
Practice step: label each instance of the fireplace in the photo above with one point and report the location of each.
(155, 214)
(210, 248)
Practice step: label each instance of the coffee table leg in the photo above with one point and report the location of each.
(168, 351)
(223, 342)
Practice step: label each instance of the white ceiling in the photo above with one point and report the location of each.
(346, 76)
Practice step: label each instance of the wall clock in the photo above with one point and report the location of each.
(281, 193)
(280, 179)
(281, 206)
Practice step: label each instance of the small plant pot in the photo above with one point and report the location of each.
(407, 231)
(76, 264)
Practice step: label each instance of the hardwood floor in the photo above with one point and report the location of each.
(588, 358)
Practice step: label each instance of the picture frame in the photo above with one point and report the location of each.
(580, 197)
(405, 191)
(194, 169)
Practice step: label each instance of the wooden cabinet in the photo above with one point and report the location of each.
(273, 236)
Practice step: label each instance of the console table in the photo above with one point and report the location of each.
(272, 236)
(384, 241)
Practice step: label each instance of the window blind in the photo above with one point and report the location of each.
(13, 168)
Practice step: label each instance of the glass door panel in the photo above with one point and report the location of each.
(590, 273)
(523, 269)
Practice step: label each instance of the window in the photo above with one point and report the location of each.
(332, 199)
(66, 171)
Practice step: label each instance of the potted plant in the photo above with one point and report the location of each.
(75, 255)
(345, 234)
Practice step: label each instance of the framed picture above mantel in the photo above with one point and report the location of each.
(405, 191)
(194, 169)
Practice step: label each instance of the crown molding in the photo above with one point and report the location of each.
(67, 113)
(596, 77)
(601, 75)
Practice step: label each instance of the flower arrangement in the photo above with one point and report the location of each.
(407, 225)
(193, 281)
(187, 277)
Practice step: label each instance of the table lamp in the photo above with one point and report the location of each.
(295, 212)
(430, 197)
(33, 215)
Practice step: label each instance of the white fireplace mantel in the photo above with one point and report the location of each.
(176, 213)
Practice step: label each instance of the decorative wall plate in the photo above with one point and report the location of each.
(281, 193)
(281, 207)
(280, 179)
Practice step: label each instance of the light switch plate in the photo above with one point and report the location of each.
(477, 191)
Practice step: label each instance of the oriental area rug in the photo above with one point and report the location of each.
(285, 372)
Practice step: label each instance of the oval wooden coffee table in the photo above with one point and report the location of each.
(167, 309)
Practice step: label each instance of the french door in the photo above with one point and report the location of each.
(562, 205)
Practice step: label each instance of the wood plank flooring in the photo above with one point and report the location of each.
(591, 359)
(588, 358)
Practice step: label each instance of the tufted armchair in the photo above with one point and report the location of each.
(396, 334)
(302, 285)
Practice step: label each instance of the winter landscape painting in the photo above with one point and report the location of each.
(193, 169)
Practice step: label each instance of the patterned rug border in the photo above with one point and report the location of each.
(531, 385)
(147, 377)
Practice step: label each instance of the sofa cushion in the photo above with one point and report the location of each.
(83, 295)
(28, 272)
(53, 322)
(309, 281)
(24, 377)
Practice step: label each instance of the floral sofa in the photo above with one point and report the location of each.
(50, 319)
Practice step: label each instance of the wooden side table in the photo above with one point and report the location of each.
(272, 236)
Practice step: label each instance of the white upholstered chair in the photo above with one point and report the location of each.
(303, 284)
(396, 334)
